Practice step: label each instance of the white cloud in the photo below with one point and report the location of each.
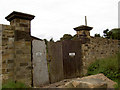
(57, 17)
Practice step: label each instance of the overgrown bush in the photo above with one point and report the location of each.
(109, 67)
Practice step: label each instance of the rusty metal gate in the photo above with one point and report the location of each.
(65, 60)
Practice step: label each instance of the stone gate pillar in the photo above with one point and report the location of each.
(22, 46)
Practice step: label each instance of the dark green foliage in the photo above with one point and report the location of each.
(106, 33)
(69, 37)
(66, 37)
(97, 35)
(109, 67)
(51, 40)
(113, 34)
(75, 37)
(46, 41)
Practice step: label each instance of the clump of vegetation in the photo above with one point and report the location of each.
(113, 34)
(66, 37)
(109, 67)
(97, 35)
(12, 84)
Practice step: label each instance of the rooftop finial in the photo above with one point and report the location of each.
(85, 21)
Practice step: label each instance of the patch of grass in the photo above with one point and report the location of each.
(117, 85)
(108, 66)
(12, 84)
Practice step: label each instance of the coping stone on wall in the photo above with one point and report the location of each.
(20, 15)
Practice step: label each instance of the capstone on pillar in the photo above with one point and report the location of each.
(83, 31)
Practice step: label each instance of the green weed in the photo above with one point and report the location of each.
(12, 84)
(108, 66)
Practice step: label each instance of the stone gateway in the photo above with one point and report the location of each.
(23, 57)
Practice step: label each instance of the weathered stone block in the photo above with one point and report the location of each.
(24, 25)
(40, 69)
(22, 35)
(90, 83)
(7, 27)
(23, 64)
(4, 71)
(9, 70)
(10, 61)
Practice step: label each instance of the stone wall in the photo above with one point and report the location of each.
(16, 48)
(88, 50)
(16, 56)
(7, 52)
(22, 51)
(0, 56)
(98, 48)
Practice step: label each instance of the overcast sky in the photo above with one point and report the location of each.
(54, 18)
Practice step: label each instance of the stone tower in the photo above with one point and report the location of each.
(21, 26)
(83, 31)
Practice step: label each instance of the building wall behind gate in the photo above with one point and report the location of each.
(7, 52)
(98, 48)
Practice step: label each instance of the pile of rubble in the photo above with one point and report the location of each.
(93, 81)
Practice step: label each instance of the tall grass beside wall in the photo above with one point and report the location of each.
(110, 67)
(12, 84)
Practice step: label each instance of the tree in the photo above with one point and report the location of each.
(66, 37)
(97, 35)
(106, 33)
(46, 41)
(51, 40)
(75, 37)
(113, 34)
